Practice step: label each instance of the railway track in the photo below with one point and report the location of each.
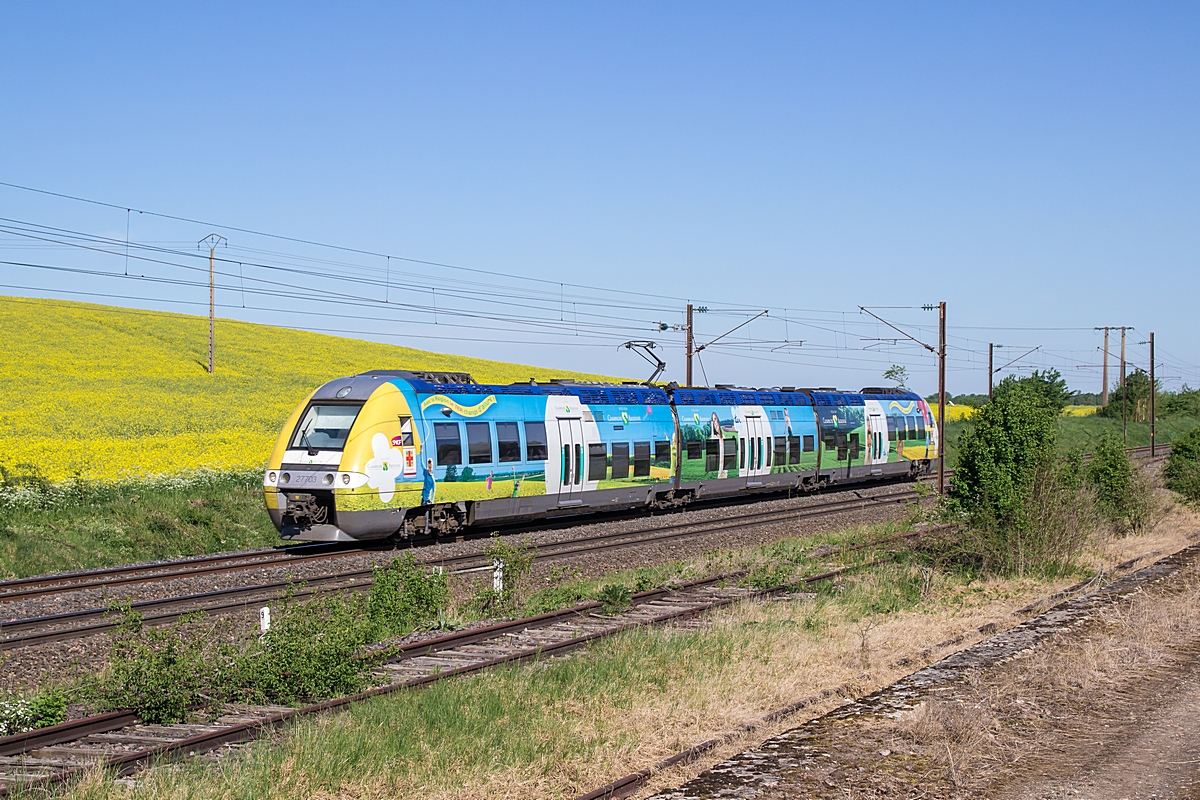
(116, 741)
(24, 632)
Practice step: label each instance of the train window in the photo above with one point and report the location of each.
(535, 442)
(641, 459)
(892, 426)
(578, 464)
(742, 453)
(695, 449)
(406, 431)
(780, 451)
(449, 443)
(509, 442)
(911, 426)
(810, 444)
(855, 449)
(479, 442)
(794, 449)
(731, 454)
(597, 462)
(662, 453)
(620, 460)
(921, 427)
(712, 455)
(325, 427)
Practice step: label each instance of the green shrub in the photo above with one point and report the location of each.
(25, 713)
(310, 651)
(614, 598)
(999, 455)
(1182, 471)
(1123, 496)
(516, 561)
(404, 596)
(165, 673)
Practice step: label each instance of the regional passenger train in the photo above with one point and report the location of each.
(393, 453)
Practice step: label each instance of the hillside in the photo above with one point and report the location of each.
(111, 392)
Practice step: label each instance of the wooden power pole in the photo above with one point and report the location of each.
(691, 344)
(212, 240)
(1153, 391)
(1124, 399)
(991, 372)
(942, 397)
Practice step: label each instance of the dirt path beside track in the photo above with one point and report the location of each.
(1098, 698)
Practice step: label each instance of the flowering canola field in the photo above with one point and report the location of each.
(111, 393)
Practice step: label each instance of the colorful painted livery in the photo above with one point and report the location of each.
(394, 453)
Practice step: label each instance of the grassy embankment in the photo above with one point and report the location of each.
(569, 725)
(165, 454)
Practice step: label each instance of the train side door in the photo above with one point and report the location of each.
(877, 439)
(571, 461)
(757, 449)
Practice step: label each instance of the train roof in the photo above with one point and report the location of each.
(606, 393)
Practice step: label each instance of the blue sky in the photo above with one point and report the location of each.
(1035, 165)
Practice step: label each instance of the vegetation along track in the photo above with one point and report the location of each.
(116, 741)
(75, 624)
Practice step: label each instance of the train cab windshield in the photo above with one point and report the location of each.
(325, 427)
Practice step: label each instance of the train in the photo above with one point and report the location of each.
(391, 454)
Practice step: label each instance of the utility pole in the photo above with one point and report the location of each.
(1153, 391)
(690, 344)
(991, 348)
(940, 352)
(942, 398)
(212, 240)
(1104, 384)
(1124, 399)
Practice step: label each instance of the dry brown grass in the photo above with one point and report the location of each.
(784, 651)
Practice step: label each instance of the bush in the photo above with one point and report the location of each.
(165, 673)
(614, 598)
(309, 653)
(1025, 510)
(1123, 496)
(999, 454)
(1182, 471)
(40, 710)
(516, 561)
(403, 596)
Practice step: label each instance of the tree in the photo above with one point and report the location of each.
(1136, 395)
(1049, 387)
(897, 374)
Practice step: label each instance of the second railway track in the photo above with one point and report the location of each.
(27, 631)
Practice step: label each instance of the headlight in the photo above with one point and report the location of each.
(345, 479)
(285, 477)
(327, 479)
(271, 477)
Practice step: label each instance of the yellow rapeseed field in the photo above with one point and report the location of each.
(111, 393)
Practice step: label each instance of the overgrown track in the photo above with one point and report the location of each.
(76, 624)
(115, 741)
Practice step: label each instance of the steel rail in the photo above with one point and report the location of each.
(226, 601)
(128, 762)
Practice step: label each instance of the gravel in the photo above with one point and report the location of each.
(28, 667)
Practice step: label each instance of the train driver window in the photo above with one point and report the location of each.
(535, 441)
(508, 441)
(479, 442)
(406, 431)
(449, 443)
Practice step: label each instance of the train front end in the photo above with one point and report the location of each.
(345, 466)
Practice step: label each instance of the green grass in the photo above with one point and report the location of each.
(96, 525)
(553, 729)
(1084, 432)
